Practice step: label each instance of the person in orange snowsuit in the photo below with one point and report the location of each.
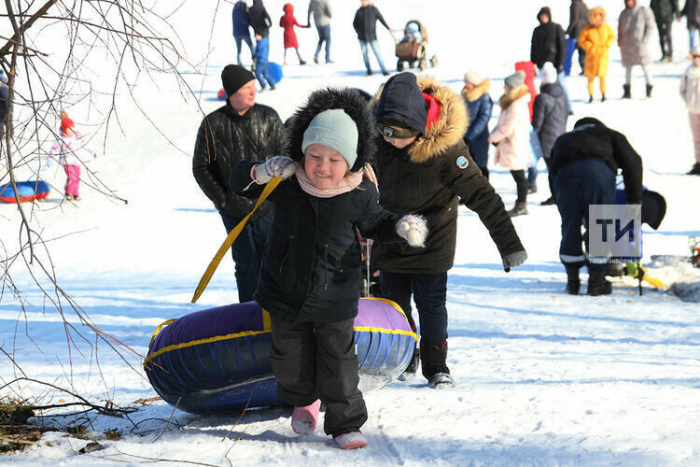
(596, 38)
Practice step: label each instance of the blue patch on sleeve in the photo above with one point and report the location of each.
(462, 162)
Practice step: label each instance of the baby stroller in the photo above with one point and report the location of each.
(413, 47)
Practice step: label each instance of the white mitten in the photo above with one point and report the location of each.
(278, 166)
(414, 229)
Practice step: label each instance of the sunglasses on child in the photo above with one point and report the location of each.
(394, 132)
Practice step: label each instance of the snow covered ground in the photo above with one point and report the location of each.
(543, 378)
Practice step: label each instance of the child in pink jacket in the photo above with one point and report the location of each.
(69, 142)
(287, 22)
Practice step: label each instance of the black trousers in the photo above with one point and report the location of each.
(521, 184)
(314, 360)
(665, 38)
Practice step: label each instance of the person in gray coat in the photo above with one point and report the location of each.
(322, 12)
(549, 115)
(634, 30)
(578, 19)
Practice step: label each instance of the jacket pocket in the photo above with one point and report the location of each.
(279, 258)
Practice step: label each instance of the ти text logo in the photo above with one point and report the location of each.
(614, 231)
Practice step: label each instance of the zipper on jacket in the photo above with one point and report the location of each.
(325, 257)
(287, 250)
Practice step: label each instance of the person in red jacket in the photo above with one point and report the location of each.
(287, 22)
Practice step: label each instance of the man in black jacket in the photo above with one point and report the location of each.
(365, 24)
(549, 45)
(240, 130)
(585, 162)
(424, 168)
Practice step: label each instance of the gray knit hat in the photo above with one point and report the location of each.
(515, 80)
(334, 129)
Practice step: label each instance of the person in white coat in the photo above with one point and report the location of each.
(511, 136)
(690, 92)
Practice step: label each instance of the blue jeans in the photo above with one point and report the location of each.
(324, 35)
(247, 252)
(375, 48)
(430, 294)
(247, 40)
(694, 38)
(579, 184)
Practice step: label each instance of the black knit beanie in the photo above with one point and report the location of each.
(234, 77)
(402, 101)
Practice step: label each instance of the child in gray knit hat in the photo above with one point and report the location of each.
(311, 271)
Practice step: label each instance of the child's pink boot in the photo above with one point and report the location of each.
(351, 440)
(304, 419)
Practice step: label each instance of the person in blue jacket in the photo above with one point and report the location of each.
(479, 105)
(241, 28)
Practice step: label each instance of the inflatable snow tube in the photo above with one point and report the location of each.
(275, 71)
(217, 360)
(28, 191)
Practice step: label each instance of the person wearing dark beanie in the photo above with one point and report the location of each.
(424, 168)
(234, 77)
(240, 130)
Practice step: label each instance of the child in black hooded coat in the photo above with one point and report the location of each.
(310, 277)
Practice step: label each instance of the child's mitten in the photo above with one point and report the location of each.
(414, 229)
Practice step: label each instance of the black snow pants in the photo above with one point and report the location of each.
(314, 360)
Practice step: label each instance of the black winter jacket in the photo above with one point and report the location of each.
(365, 23)
(311, 268)
(548, 44)
(430, 177)
(664, 10)
(578, 19)
(4, 101)
(549, 115)
(259, 18)
(312, 264)
(596, 141)
(224, 139)
(692, 11)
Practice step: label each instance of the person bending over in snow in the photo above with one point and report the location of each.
(424, 167)
(311, 273)
(69, 142)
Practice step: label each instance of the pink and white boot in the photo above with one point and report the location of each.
(351, 440)
(305, 419)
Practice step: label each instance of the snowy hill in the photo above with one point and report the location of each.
(543, 378)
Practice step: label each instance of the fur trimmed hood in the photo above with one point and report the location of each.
(448, 129)
(592, 16)
(352, 103)
(513, 95)
(477, 91)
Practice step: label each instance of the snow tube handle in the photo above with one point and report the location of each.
(204, 281)
(160, 326)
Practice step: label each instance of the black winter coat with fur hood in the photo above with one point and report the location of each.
(430, 177)
(312, 266)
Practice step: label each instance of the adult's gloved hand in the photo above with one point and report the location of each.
(414, 229)
(278, 166)
(514, 260)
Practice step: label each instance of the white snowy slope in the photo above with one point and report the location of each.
(542, 378)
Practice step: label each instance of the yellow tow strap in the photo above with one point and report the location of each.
(204, 281)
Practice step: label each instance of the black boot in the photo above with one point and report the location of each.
(590, 99)
(573, 283)
(649, 88)
(410, 372)
(628, 91)
(434, 364)
(695, 170)
(598, 285)
(520, 209)
(602, 99)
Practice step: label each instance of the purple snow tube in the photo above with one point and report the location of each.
(217, 360)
